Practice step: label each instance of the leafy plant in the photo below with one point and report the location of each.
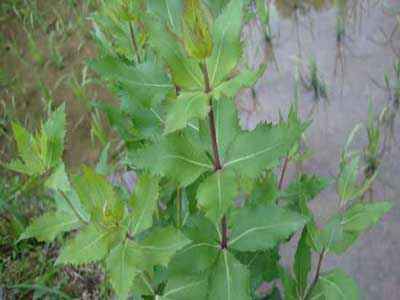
(206, 217)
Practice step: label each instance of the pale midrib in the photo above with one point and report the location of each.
(144, 211)
(217, 64)
(260, 228)
(334, 285)
(184, 287)
(250, 156)
(228, 275)
(156, 85)
(166, 248)
(188, 161)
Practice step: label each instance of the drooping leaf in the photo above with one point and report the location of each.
(230, 280)
(262, 227)
(186, 107)
(302, 264)
(90, 245)
(216, 194)
(98, 197)
(175, 157)
(146, 83)
(336, 285)
(144, 202)
(48, 226)
(226, 39)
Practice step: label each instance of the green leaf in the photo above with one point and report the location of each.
(252, 152)
(186, 72)
(91, 244)
(98, 197)
(262, 227)
(289, 285)
(301, 191)
(230, 280)
(53, 135)
(161, 244)
(347, 181)
(144, 202)
(183, 287)
(29, 152)
(245, 79)
(58, 181)
(186, 107)
(169, 11)
(216, 194)
(362, 216)
(196, 32)
(48, 226)
(226, 39)
(302, 264)
(123, 264)
(336, 285)
(347, 228)
(146, 83)
(175, 157)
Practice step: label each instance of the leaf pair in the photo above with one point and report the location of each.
(210, 272)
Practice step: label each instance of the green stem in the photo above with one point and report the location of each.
(178, 208)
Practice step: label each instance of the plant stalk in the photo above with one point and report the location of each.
(283, 172)
(134, 43)
(211, 118)
(224, 240)
(317, 274)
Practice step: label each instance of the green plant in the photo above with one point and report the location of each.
(207, 216)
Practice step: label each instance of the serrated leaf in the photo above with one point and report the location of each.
(53, 135)
(245, 79)
(262, 227)
(58, 181)
(226, 39)
(347, 180)
(161, 244)
(175, 157)
(123, 264)
(336, 285)
(186, 107)
(195, 30)
(144, 202)
(186, 73)
(169, 11)
(216, 194)
(98, 197)
(146, 83)
(362, 216)
(252, 152)
(90, 245)
(301, 191)
(230, 280)
(349, 227)
(185, 287)
(29, 152)
(302, 264)
(48, 226)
